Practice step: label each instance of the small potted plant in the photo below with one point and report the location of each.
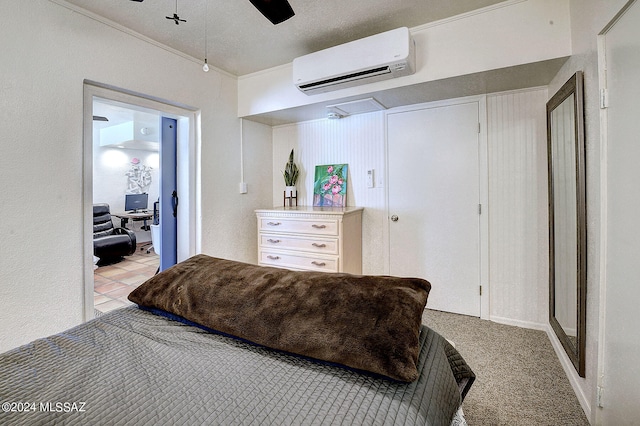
(290, 176)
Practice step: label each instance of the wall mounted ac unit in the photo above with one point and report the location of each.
(379, 57)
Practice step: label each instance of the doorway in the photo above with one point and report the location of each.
(185, 133)
(134, 163)
(435, 197)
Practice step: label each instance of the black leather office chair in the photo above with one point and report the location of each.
(109, 242)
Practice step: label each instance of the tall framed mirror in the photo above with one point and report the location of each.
(567, 219)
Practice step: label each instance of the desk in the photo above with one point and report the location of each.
(125, 217)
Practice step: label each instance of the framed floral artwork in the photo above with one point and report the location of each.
(330, 186)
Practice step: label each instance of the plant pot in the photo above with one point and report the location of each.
(290, 191)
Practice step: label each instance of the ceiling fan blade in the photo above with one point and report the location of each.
(139, 1)
(99, 117)
(276, 11)
(176, 19)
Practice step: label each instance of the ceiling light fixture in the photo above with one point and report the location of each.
(331, 115)
(356, 107)
(205, 67)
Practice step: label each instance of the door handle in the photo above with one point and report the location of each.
(394, 218)
(174, 203)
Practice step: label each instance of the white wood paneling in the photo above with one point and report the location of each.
(357, 141)
(518, 217)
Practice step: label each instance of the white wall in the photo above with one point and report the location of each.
(588, 18)
(231, 230)
(48, 50)
(110, 182)
(517, 191)
(537, 30)
(518, 212)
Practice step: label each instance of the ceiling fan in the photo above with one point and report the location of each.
(276, 11)
(175, 16)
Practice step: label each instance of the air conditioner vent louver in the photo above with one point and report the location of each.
(348, 77)
(379, 57)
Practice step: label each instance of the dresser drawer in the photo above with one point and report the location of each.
(297, 261)
(311, 245)
(313, 227)
(311, 238)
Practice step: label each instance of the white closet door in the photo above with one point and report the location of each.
(621, 370)
(434, 194)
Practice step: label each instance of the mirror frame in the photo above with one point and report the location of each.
(576, 352)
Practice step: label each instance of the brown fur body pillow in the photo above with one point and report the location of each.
(365, 322)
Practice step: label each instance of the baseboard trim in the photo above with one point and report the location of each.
(570, 371)
(519, 323)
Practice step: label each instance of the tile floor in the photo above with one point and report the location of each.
(113, 283)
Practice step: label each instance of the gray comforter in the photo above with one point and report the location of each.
(131, 367)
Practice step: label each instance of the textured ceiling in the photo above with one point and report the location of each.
(241, 41)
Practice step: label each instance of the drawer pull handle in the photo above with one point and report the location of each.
(319, 226)
(271, 240)
(319, 245)
(273, 223)
(273, 257)
(318, 263)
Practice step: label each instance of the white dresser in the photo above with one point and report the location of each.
(311, 238)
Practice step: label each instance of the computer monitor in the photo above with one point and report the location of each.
(135, 202)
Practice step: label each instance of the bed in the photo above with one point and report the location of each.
(196, 351)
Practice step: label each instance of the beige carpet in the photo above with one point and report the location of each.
(519, 380)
